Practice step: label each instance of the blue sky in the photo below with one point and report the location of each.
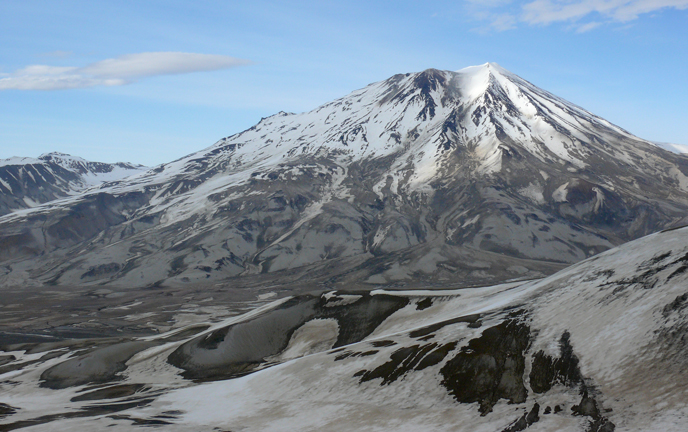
(151, 81)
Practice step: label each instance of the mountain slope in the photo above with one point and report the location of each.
(437, 176)
(596, 347)
(28, 182)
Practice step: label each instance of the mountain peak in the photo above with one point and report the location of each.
(464, 85)
(63, 159)
(422, 115)
(54, 154)
(474, 81)
(467, 83)
(489, 66)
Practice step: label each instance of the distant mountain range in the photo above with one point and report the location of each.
(28, 182)
(428, 178)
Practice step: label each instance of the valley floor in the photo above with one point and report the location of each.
(599, 346)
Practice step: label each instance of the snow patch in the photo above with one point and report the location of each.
(534, 192)
(559, 195)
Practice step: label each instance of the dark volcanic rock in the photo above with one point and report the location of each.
(491, 367)
(405, 360)
(6, 410)
(424, 331)
(113, 392)
(424, 304)
(528, 419)
(588, 407)
(547, 371)
(4, 359)
(679, 303)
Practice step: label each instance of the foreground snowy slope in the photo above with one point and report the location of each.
(423, 178)
(28, 182)
(599, 346)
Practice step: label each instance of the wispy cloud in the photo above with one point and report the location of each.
(57, 54)
(548, 11)
(588, 26)
(504, 22)
(488, 9)
(122, 70)
(583, 15)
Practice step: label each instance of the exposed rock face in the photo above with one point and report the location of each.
(6, 410)
(491, 367)
(473, 176)
(547, 371)
(525, 421)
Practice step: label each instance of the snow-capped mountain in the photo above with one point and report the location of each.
(597, 347)
(440, 177)
(28, 182)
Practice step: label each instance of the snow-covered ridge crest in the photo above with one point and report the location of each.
(117, 170)
(27, 182)
(99, 171)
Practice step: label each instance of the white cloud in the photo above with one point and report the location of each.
(587, 27)
(116, 71)
(633, 9)
(58, 54)
(504, 22)
(489, 3)
(583, 15)
(549, 11)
